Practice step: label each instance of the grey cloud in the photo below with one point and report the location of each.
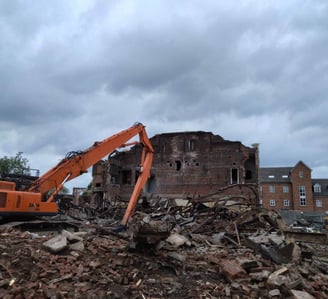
(70, 69)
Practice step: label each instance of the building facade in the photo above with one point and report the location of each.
(185, 164)
(292, 188)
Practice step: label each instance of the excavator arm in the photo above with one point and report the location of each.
(77, 163)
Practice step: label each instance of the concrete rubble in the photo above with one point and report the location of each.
(171, 249)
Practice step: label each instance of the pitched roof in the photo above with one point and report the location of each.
(301, 162)
(275, 174)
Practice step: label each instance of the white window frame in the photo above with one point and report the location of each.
(286, 202)
(271, 189)
(318, 203)
(285, 189)
(302, 194)
(317, 188)
(272, 202)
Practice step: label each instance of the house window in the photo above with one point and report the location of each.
(271, 176)
(302, 195)
(301, 174)
(302, 202)
(271, 189)
(317, 188)
(234, 176)
(272, 202)
(318, 203)
(286, 202)
(285, 189)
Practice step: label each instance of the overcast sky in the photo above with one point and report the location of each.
(75, 72)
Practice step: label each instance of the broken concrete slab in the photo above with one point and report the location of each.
(301, 294)
(72, 237)
(56, 244)
(77, 246)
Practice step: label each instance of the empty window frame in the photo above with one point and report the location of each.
(177, 165)
(126, 177)
(191, 145)
(234, 176)
(249, 175)
(163, 147)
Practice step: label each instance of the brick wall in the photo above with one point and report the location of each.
(189, 164)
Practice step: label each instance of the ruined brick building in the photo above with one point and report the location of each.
(185, 164)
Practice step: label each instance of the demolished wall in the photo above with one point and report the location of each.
(185, 165)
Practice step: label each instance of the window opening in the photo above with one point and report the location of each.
(177, 165)
(249, 175)
(234, 176)
(126, 177)
(191, 145)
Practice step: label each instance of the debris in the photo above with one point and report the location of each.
(56, 244)
(301, 295)
(201, 251)
(178, 240)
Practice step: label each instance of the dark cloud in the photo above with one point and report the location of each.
(255, 71)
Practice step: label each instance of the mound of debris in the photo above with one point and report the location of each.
(171, 249)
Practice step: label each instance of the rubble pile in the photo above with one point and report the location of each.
(172, 249)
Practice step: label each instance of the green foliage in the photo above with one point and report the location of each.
(14, 165)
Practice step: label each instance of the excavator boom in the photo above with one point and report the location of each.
(33, 201)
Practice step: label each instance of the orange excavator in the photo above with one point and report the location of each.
(35, 201)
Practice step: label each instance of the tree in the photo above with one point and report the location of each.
(14, 165)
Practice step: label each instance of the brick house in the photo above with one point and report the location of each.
(320, 194)
(292, 188)
(185, 164)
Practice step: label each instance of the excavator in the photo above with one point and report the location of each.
(36, 201)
